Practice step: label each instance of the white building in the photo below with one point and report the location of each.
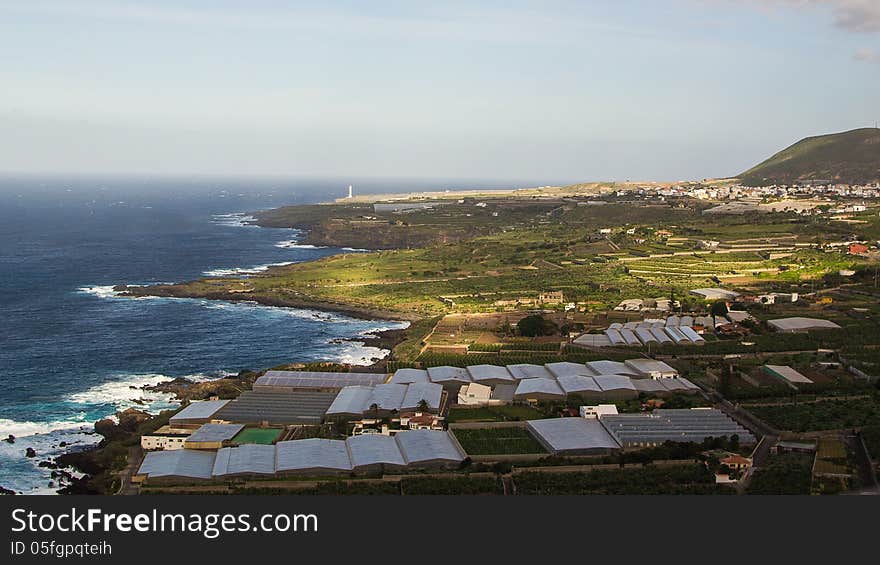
(474, 394)
(598, 411)
(165, 438)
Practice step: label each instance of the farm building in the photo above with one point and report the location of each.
(538, 389)
(794, 325)
(609, 368)
(616, 387)
(787, 375)
(449, 375)
(566, 369)
(490, 374)
(659, 426)
(355, 401)
(180, 464)
(212, 436)
(312, 456)
(652, 368)
(584, 387)
(660, 335)
(475, 394)
(573, 436)
(615, 337)
(429, 448)
(374, 452)
(409, 376)
(248, 459)
(196, 413)
(716, 293)
(529, 371)
(315, 380)
(277, 406)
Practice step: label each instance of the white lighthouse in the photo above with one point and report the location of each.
(349, 191)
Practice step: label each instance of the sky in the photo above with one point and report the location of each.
(559, 91)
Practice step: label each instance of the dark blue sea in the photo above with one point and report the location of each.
(72, 352)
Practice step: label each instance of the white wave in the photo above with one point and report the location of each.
(294, 244)
(229, 272)
(236, 219)
(99, 291)
(24, 429)
(356, 353)
(355, 250)
(128, 392)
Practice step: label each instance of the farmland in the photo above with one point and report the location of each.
(497, 441)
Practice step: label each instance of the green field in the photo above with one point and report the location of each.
(683, 479)
(821, 415)
(498, 441)
(262, 436)
(783, 474)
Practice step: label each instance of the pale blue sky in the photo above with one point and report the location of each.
(556, 90)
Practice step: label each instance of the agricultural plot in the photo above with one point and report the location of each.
(497, 441)
(683, 479)
(783, 474)
(837, 414)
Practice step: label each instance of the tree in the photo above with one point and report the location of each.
(718, 308)
(534, 325)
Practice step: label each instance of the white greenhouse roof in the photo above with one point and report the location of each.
(214, 432)
(566, 369)
(801, 324)
(448, 375)
(419, 446)
(416, 392)
(189, 463)
(374, 449)
(248, 459)
(351, 400)
(480, 373)
(529, 371)
(574, 383)
(304, 454)
(199, 410)
(407, 376)
(609, 368)
(572, 434)
(538, 386)
(614, 382)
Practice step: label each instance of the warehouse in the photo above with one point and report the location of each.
(652, 368)
(659, 426)
(573, 436)
(490, 375)
(409, 376)
(315, 380)
(180, 464)
(787, 375)
(795, 325)
(430, 448)
(251, 459)
(538, 389)
(529, 371)
(281, 406)
(375, 453)
(616, 387)
(196, 413)
(312, 456)
(212, 436)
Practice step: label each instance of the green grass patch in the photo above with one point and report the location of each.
(498, 441)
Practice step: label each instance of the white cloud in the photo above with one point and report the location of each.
(867, 56)
(852, 15)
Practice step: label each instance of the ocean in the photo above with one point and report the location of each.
(72, 352)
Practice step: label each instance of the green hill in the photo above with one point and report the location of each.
(852, 157)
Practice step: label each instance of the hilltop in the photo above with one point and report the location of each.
(851, 157)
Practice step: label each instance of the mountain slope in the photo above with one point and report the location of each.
(852, 157)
